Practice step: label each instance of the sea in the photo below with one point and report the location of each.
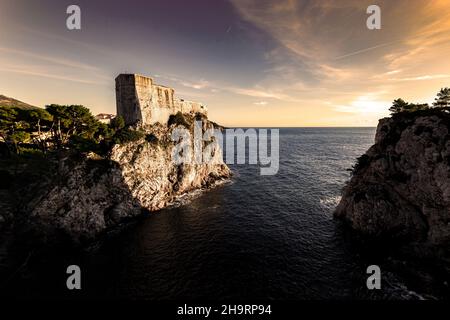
(255, 237)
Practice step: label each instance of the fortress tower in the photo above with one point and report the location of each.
(140, 101)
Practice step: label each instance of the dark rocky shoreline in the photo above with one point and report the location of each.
(398, 199)
(84, 200)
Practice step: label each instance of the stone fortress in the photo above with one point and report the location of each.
(140, 101)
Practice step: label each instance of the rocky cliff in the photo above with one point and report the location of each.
(90, 194)
(400, 188)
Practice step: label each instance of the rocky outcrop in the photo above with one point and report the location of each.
(91, 194)
(400, 188)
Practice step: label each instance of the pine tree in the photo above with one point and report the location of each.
(398, 105)
(443, 98)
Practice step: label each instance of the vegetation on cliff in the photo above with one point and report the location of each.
(398, 198)
(411, 153)
(404, 114)
(64, 172)
(442, 102)
(28, 130)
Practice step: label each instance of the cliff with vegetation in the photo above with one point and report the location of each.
(94, 193)
(398, 199)
(399, 193)
(74, 177)
(400, 187)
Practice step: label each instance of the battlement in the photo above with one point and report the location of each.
(141, 101)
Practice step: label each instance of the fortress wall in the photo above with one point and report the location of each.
(163, 96)
(162, 105)
(144, 96)
(160, 115)
(185, 106)
(138, 99)
(127, 104)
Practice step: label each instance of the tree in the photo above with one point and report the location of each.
(398, 105)
(71, 120)
(19, 137)
(36, 118)
(117, 123)
(8, 117)
(127, 135)
(443, 98)
(417, 107)
(178, 119)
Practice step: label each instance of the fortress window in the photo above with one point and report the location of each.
(167, 97)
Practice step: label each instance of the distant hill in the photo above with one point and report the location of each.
(10, 102)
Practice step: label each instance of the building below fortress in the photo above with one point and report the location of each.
(141, 101)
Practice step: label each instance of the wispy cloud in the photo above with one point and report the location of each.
(53, 60)
(393, 72)
(199, 84)
(261, 103)
(202, 84)
(422, 78)
(211, 87)
(39, 65)
(39, 72)
(365, 105)
(351, 54)
(326, 44)
(257, 93)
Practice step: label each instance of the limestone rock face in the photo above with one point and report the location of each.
(400, 189)
(154, 179)
(90, 196)
(94, 194)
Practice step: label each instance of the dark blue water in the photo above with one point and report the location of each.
(258, 237)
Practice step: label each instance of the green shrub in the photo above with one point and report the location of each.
(26, 152)
(19, 137)
(151, 138)
(83, 144)
(127, 135)
(361, 162)
(178, 119)
(117, 123)
(200, 116)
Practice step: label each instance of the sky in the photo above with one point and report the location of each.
(262, 63)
